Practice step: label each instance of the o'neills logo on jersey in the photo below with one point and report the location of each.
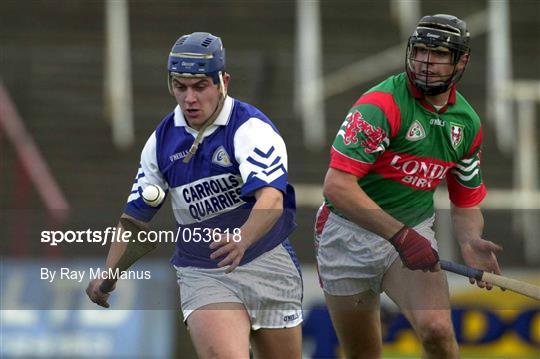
(208, 197)
(417, 173)
(373, 136)
(178, 156)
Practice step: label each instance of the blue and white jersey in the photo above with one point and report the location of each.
(240, 153)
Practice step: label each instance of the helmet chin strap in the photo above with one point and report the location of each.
(210, 121)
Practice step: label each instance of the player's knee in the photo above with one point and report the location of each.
(365, 351)
(212, 352)
(436, 334)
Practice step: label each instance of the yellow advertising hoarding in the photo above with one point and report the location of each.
(488, 324)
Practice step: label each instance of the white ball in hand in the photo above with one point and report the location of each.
(153, 195)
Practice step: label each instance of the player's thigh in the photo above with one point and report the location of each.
(416, 289)
(278, 342)
(220, 331)
(356, 319)
(423, 297)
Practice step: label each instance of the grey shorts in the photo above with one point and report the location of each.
(352, 260)
(269, 287)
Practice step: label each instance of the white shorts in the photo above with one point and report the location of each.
(352, 260)
(269, 287)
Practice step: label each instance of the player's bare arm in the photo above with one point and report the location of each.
(479, 253)
(342, 190)
(116, 251)
(265, 213)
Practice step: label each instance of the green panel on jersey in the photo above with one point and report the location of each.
(414, 205)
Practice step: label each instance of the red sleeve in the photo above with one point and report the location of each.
(387, 104)
(462, 196)
(347, 164)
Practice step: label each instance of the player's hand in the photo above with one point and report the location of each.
(415, 250)
(480, 254)
(225, 245)
(96, 295)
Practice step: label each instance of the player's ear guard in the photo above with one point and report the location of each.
(414, 250)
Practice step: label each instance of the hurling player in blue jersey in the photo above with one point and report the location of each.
(224, 165)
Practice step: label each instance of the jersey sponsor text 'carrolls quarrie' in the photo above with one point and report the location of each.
(239, 153)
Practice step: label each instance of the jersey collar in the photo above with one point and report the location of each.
(420, 97)
(221, 120)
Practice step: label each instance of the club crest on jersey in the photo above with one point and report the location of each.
(456, 134)
(221, 157)
(416, 132)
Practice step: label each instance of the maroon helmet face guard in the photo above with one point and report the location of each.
(436, 34)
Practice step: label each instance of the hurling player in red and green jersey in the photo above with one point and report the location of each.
(374, 232)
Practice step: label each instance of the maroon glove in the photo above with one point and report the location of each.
(415, 250)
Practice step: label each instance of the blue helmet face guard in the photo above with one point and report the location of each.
(442, 33)
(199, 54)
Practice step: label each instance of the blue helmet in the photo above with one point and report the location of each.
(199, 53)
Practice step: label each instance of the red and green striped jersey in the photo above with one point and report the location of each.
(400, 147)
